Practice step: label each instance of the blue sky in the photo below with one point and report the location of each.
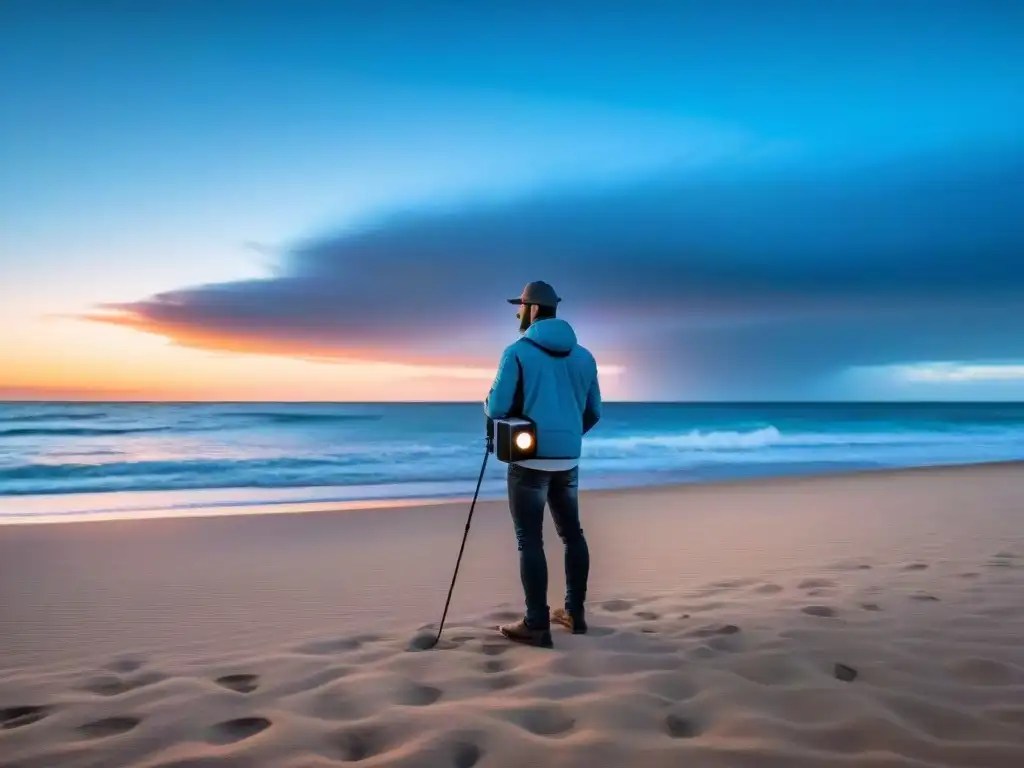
(799, 199)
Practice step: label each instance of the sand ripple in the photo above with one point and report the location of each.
(750, 680)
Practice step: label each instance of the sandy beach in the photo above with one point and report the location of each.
(868, 620)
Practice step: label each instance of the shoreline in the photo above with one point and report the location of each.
(287, 507)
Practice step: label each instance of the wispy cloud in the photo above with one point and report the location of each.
(951, 372)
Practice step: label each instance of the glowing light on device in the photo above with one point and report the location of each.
(512, 439)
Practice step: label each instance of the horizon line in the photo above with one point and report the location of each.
(780, 401)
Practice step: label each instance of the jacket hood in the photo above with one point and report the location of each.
(553, 334)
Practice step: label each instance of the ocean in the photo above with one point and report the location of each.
(69, 461)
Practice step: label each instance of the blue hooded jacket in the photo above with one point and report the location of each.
(547, 377)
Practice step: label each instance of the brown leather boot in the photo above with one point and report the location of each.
(521, 633)
(575, 624)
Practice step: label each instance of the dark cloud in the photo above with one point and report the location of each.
(753, 276)
(794, 358)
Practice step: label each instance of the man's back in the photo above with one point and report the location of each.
(549, 378)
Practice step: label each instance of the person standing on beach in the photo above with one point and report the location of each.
(548, 377)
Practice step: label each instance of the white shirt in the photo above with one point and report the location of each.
(548, 465)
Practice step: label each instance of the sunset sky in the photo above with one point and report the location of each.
(331, 200)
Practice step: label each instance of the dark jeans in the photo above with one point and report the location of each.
(528, 491)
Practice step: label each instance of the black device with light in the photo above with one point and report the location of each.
(512, 439)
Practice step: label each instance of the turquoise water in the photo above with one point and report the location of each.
(60, 459)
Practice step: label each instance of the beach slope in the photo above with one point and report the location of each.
(870, 620)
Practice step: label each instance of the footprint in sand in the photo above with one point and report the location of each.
(768, 589)
(125, 664)
(821, 611)
(680, 727)
(19, 717)
(465, 754)
(915, 567)
(715, 630)
(326, 647)
(1002, 560)
(616, 606)
(239, 729)
(495, 649)
(816, 584)
(423, 641)
(647, 615)
(847, 565)
(239, 683)
(871, 606)
(417, 695)
(108, 726)
(492, 666)
(735, 583)
(542, 720)
(360, 743)
(673, 686)
(924, 597)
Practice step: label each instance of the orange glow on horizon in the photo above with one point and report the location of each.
(196, 338)
(57, 358)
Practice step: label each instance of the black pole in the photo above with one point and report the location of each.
(465, 535)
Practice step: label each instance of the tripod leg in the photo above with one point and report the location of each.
(465, 535)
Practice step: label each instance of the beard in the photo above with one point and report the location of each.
(524, 322)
